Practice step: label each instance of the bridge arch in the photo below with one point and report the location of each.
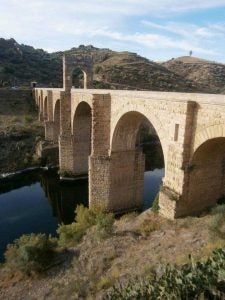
(39, 102)
(81, 130)
(128, 165)
(56, 120)
(152, 118)
(210, 132)
(45, 112)
(207, 174)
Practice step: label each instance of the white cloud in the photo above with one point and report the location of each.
(57, 24)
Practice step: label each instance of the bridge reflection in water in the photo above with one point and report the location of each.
(36, 201)
(64, 196)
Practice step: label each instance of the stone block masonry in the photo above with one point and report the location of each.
(98, 133)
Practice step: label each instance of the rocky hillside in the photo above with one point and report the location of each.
(21, 64)
(209, 76)
(19, 130)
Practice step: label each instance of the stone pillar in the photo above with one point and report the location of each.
(65, 139)
(49, 131)
(126, 180)
(50, 105)
(116, 180)
(99, 160)
(174, 191)
(40, 116)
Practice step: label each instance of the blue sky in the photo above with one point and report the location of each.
(158, 30)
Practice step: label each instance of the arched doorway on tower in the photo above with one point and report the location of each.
(79, 78)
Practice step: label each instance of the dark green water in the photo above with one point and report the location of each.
(37, 201)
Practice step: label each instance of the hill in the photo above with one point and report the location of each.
(209, 76)
(21, 64)
(19, 130)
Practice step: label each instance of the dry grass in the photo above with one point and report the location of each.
(119, 257)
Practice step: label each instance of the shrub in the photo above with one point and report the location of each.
(148, 225)
(30, 253)
(70, 235)
(104, 224)
(201, 280)
(217, 225)
(155, 204)
(85, 217)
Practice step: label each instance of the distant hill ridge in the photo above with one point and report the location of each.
(20, 64)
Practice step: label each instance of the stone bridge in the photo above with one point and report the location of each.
(97, 132)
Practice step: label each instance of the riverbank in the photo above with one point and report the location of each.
(20, 130)
(138, 246)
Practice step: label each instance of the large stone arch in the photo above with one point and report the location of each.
(128, 162)
(160, 129)
(81, 130)
(207, 133)
(206, 175)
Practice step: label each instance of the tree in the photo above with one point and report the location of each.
(190, 53)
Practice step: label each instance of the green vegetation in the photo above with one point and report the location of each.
(21, 64)
(201, 280)
(30, 253)
(70, 235)
(217, 225)
(155, 204)
(149, 225)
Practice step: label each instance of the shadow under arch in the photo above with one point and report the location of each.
(82, 126)
(45, 113)
(207, 174)
(133, 131)
(56, 119)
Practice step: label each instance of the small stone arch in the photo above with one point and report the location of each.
(70, 63)
(56, 120)
(45, 112)
(84, 79)
(82, 132)
(39, 102)
(42, 103)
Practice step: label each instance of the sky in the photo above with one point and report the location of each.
(156, 29)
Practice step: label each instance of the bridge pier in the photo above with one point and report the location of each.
(66, 154)
(41, 116)
(51, 131)
(117, 181)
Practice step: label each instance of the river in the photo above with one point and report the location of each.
(37, 201)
